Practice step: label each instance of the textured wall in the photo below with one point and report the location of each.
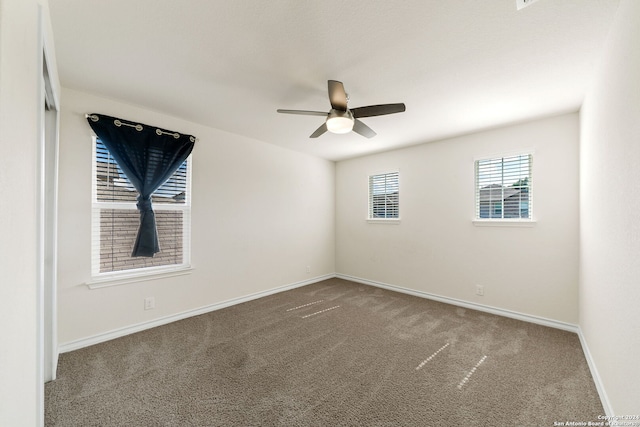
(260, 215)
(20, 73)
(437, 249)
(609, 210)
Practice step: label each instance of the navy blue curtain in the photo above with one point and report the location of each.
(148, 156)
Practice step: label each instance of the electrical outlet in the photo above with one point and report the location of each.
(308, 269)
(480, 290)
(149, 303)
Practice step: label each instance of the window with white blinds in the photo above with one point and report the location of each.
(503, 188)
(115, 219)
(384, 196)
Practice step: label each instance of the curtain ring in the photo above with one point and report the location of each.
(192, 139)
(137, 127)
(94, 118)
(160, 132)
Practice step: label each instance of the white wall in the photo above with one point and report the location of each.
(610, 214)
(18, 168)
(20, 73)
(436, 248)
(260, 215)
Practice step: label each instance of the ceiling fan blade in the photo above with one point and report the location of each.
(337, 95)
(303, 112)
(363, 129)
(322, 129)
(377, 110)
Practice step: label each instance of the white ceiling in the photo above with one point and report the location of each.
(459, 65)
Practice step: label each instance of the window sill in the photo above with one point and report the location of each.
(504, 223)
(394, 221)
(122, 279)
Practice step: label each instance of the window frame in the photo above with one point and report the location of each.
(370, 218)
(504, 222)
(137, 274)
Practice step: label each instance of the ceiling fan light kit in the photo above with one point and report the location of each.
(342, 120)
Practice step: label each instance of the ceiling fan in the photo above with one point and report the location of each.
(341, 119)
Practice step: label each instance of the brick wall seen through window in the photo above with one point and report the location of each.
(116, 218)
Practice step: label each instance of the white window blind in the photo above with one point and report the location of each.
(503, 187)
(115, 218)
(384, 196)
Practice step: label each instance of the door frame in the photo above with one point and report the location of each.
(48, 125)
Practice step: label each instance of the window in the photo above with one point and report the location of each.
(384, 192)
(503, 188)
(115, 219)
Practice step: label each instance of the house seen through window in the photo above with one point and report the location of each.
(115, 218)
(503, 187)
(384, 196)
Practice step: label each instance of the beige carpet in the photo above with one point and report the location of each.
(334, 353)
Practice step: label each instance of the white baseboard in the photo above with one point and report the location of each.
(466, 304)
(596, 376)
(506, 313)
(121, 332)
(117, 333)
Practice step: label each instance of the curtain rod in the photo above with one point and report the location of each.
(138, 127)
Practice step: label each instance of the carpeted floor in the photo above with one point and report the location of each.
(334, 353)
